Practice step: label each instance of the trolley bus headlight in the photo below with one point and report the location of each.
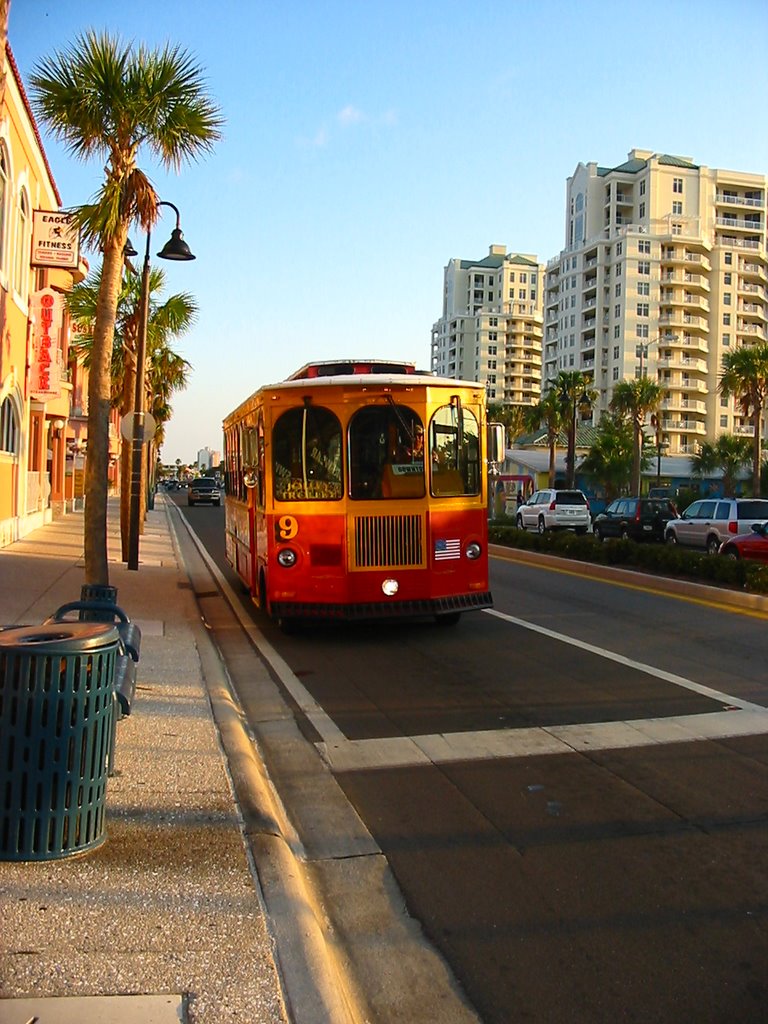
(473, 550)
(390, 587)
(286, 558)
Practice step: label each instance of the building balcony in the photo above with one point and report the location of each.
(676, 403)
(684, 426)
(733, 242)
(726, 199)
(750, 269)
(739, 223)
(683, 363)
(745, 430)
(753, 309)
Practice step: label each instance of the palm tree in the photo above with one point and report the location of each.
(608, 463)
(728, 453)
(635, 399)
(512, 416)
(167, 371)
(104, 99)
(745, 376)
(575, 394)
(548, 413)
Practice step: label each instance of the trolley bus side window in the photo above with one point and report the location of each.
(454, 447)
(306, 455)
(386, 453)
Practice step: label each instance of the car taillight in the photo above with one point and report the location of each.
(637, 513)
(551, 506)
(733, 527)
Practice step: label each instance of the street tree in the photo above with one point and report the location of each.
(575, 395)
(547, 413)
(106, 100)
(729, 453)
(166, 371)
(608, 463)
(636, 399)
(745, 377)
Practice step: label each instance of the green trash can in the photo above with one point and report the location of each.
(56, 711)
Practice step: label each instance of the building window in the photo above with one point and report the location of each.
(22, 244)
(726, 298)
(644, 246)
(641, 210)
(726, 319)
(3, 202)
(9, 428)
(728, 258)
(677, 184)
(642, 187)
(727, 278)
(617, 331)
(617, 290)
(617, 312)
(677, 208)
(493, 321)
(644, 267)
(619, 248)
(643, 287)
(642, 330)
(726, 340)
(643, 309)
(723, 421)
(615, 373)
(615, 351)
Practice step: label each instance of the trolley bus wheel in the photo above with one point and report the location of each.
(449, 619)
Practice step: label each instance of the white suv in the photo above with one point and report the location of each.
(707, 523)
(555, 510)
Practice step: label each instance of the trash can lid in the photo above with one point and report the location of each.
(59, 637)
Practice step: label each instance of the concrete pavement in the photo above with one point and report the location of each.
(164, 921)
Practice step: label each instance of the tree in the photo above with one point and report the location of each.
(575, 394)
(728, 453)
(635, 399)
(547, 413)
(167, 371)
(745, 377)
(102, 99)
(512, 416)
(608, 463)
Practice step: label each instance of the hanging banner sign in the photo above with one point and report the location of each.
(46, 309)
(55, 240)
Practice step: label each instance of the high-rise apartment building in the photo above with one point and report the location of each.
(491, 329)
(664, 271)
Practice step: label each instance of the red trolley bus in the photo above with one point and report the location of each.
(358, 490)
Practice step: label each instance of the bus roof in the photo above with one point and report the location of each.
(360, 381)
(339, 367)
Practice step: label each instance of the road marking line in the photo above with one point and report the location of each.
(342, 754)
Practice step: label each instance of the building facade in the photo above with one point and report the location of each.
(491, 328)
(41, 388)
(664, 271)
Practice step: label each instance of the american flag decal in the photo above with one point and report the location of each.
(446, 549)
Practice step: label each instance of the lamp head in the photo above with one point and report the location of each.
(176, 248)
(129, 249)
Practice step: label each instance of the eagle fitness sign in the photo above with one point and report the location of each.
(55, 241)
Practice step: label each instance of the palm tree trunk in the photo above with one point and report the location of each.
(99, 408)
(552, 462)
(636, 439)
(756, 450)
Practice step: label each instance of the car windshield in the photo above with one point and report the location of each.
(204, 485)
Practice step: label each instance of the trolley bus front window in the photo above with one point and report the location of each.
(306, 455)
(454, 452)
(386, 453)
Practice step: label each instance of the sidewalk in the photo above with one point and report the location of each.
(163, 922)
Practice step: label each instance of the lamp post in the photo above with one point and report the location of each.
(174, 249)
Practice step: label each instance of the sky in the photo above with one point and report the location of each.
(368, 142)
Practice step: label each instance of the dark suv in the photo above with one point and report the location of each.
(635, 518)
(204, 490)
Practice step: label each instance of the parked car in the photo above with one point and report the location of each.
(635, 518)
(204, 490)
(554, 509)
(709, 522)
(753, 546)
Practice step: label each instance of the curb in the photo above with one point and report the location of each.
(315, 987)
(632, 578)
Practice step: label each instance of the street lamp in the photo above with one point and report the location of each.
(174, 249)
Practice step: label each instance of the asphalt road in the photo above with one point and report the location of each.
(572, 791)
